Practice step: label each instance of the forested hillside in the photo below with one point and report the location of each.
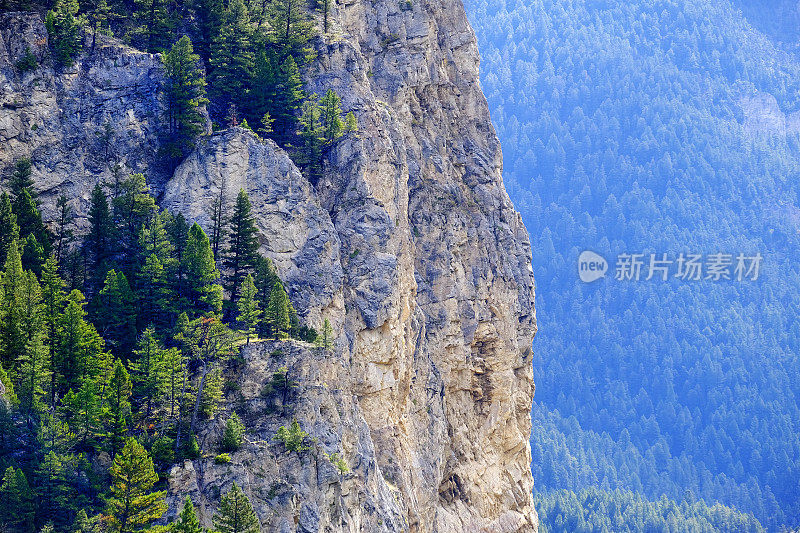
(657, 127)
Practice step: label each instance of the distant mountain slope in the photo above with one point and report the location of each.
(656, 127)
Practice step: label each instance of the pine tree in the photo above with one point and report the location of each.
(85, 411)
(33, 363)
(324, 6)
(232, 58)
(100, 235)
(64, 28)
(132, 504)
(29, 220)
(134, 207)
(235, 513)
(248, 307)
(118, 407)
(155, 25)
(33, 255)
(16, 501)
(278, 313)
(289, 98)
(204, 294)
(21, 177)
(350, 123)
(116, 313)
(312, 133)
(64, 234)
(292, 28)
(187, 521)
(325, 339)
(12, 331)
(242, 251)
(233, 436)
(147, 369)
(173, 378)
(208, 15)
(9, 230)
(331, 116)
(178, 232)
(84, 524)
(185, 92)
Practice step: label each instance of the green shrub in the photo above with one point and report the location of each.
(163, 451)
(222, 459)
(192, 449)
(27, 62)
(293, 438)
(339, 462)
(234, 434)
(64, 28)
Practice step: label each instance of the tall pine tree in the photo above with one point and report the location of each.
(132, 504)
(242, 252)
(185, 94)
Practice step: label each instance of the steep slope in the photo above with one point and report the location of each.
(657, 127)
(409, 244)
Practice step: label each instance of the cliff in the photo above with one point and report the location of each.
(409, 245)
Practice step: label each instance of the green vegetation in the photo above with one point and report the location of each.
(27, 62)
(120, 355)
(235, 513)
(293, 437)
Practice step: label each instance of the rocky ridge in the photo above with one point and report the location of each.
(409, 244)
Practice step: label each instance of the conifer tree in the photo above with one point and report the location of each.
(33, 362)
(132, 504)
(292, 28)
(208, 15)
(29, 220)
(325, 339)
(187, 521)
(21, 177)
(147, 369)
(85, 410)
(173, 378)
(233, 436)
(133, 207)
(9, 230)
(100, 236)
(118, 407)
(12, 330)
(232, 58)
(16, 500)
(289, 98)
(248, 307)
(64, 28)
(312, 133)
(84, 524)
(204, 294)
(242, 251)
(331, 116)
(78, 346)
(185, 92)
(235, 513)
(116, 313)
(350, 123)
(278, 312)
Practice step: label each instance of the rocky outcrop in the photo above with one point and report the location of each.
(78, 124)
(409, 244)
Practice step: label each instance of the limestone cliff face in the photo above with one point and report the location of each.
(408, 244)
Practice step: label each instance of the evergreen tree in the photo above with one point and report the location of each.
(235, 513)
(232, 58)
(155, 25)
(84, 524)
(173, 378)
(9, 230)
(53, 298)
(64, 234)
(185, 92)
(12, 328)
(242, 251)
(147, 369)
(29, 220)
(292, 28)
(21, 177)
(324, 6)
(331, 116)
(178, 232)
(16, 501)
(233, 436)
(33, 362)
(78, 350)
(116, 313)
(278, 312)
(118, 407)
(84, 409)
(312, 134)
(204, 294)
(187, 521)
(100, 236)
(208, 16)
(248, 307)
(64, 28)
(350, 123)
(33, 255)
(132, 504)
(325, 339)
(289, 98)
(134, 207)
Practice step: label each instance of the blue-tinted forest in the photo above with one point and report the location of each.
(656, 126)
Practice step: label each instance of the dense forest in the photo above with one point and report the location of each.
(656, 126)
(116, 342)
